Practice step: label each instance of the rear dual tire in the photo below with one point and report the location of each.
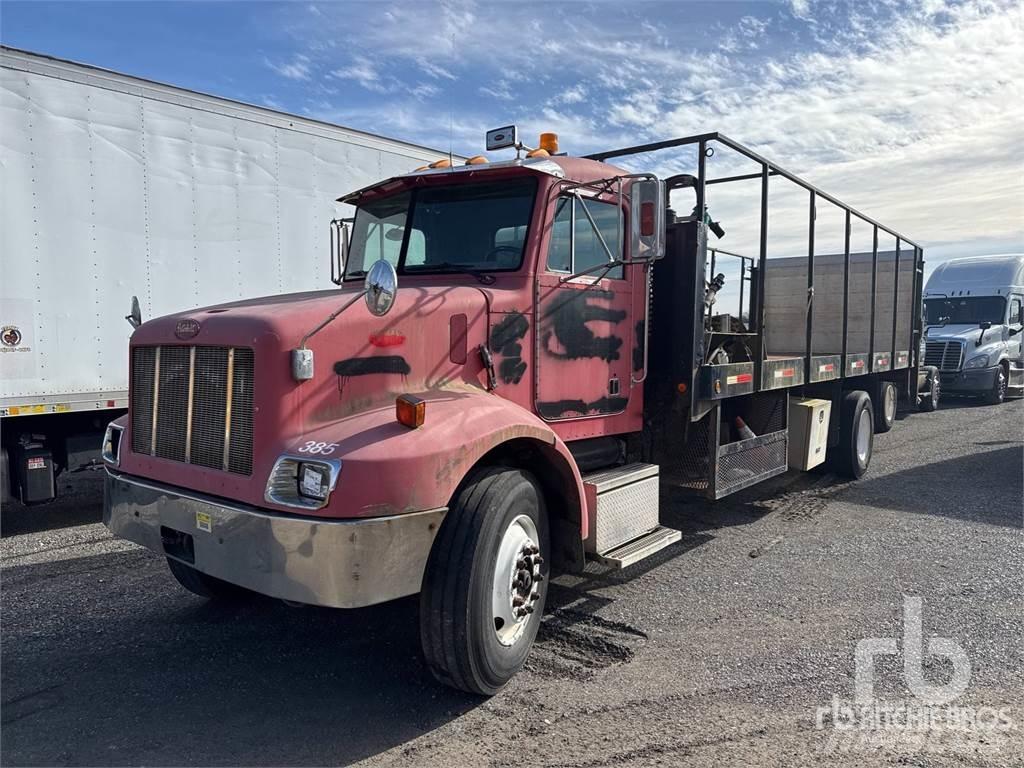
(885, 406)
(852, 455)
(473, 625)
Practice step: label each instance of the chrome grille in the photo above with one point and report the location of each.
(944, 355)
(194, 405)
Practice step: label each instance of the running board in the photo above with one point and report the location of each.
(636, 550)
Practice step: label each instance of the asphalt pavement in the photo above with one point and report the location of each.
(736, 646)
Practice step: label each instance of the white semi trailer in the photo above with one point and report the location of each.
(114, 187)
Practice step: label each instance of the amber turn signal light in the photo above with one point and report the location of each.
(410, 411)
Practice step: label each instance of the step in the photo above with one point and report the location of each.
(622, 505)
(636, 550)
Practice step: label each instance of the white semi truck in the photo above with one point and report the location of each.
(113, 187)
(975, 315)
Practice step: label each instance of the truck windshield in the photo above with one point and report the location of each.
(477, 227)
(965, 310)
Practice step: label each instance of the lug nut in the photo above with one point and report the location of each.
(535, 596)
(521, 563)
(527, 609)
(518, 600)
(539, 577)
(538, 560)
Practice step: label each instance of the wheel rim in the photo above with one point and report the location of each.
(517, 578)
(890, 403)
(863, 436)
(1000, 384)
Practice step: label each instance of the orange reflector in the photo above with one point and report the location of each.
(549, 141)
(410, 411)
(681, 387)
(538, 153)
(444, 162)
(421, 168)
(476, 160)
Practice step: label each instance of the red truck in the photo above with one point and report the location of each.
(551, 357)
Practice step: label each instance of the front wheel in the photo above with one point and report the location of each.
(997, 394)
(929, 399)
(486, 582)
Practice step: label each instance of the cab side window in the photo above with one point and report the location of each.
(583, 251)
(1016, 315)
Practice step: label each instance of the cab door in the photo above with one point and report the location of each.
(585, 325)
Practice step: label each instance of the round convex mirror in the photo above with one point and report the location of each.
(381, 287)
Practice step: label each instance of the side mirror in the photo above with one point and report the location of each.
(339, 249)
(985, 325)
(135, 315)
(647, 204)
(1014, 331)
(381, 287)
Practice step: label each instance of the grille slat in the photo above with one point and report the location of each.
(944, 355)
(199, 437)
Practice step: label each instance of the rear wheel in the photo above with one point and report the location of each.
(929, 399)
(856, 435)
(200, 583)
(885, 406)
(997, 394)
(486, 582)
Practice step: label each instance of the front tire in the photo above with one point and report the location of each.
(929, 399)
(856, 435)
(486, 582)
(997, 394)
(885, 407)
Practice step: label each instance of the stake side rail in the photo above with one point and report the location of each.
(815, 367)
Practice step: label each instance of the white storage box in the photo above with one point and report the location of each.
(808, 431)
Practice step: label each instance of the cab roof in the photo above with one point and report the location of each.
(576, 169)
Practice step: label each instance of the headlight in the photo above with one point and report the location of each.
(296, 481)
(978, 361)
(111, 451)
(314, 480)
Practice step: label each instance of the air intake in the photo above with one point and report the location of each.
(194, 405)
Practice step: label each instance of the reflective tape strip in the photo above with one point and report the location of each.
(783, 373)
(740, 378)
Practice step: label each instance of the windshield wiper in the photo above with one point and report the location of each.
(447, 266)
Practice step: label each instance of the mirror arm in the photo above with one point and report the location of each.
(330, 318)
(597, 231)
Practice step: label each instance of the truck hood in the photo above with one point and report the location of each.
(426, 342)
(969, 333)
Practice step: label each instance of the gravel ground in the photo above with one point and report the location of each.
(720, 650)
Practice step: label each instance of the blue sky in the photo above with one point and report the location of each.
(913, 113)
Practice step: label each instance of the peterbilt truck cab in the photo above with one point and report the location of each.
(347, 447)
(974, 322)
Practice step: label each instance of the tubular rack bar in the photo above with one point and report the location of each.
(768, 169)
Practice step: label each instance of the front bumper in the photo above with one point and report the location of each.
(973, 380)
(334, 563)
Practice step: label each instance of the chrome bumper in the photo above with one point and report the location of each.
(335, 563)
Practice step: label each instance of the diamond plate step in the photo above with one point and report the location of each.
(636, 550)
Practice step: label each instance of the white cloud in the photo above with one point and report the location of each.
(364, 72)
(911, 112)
(296, 69)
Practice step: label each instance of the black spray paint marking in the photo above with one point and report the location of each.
(365, 366)
(638, 347)
(568, 316)
(559, 408)
(505, 341)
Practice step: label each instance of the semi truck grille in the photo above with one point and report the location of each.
(944, 355)
(194, 404)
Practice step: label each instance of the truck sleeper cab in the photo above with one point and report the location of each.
(974, 322)
(509, 412)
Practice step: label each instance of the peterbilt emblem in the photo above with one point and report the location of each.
(186, 329)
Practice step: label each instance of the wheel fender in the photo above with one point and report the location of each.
(388, 468)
